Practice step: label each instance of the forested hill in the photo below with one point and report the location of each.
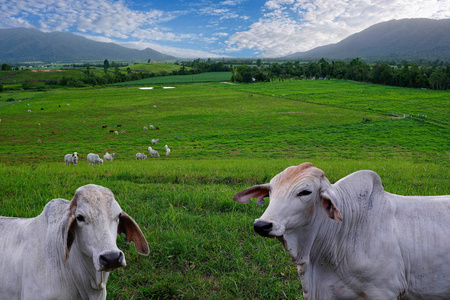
(397, 39)
(26, 45)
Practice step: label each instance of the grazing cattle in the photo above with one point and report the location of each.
(94, 159)
(156, 128)
(151, 127)
(71, 159)
(111, 131)
(140, 156)
(104, 126)
(352, 239)
(68, 251)
(116, 132)
(167, 150)
(145, 128)
(122, 131)
(29, 110)
(154, 142)
(53, 132)
(42, 108)
(153, 153)
(39, 140)
(108, 157)
(120, 125)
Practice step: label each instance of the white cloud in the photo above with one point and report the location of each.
(290, 26)
(111, 18)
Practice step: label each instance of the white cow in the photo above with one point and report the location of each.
(153, 152)
(167, 150)
(71, 159)
(94, 159)
(108, 157)
(68, 250)
(140, 156)
(353, 240)
(155, 141)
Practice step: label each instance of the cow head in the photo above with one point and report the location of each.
(296, 194)
(93, 222)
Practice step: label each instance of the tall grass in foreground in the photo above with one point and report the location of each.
(202, 244)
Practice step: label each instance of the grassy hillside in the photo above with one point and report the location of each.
(224, 138)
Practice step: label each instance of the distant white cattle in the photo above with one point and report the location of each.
(155, 141)
(68, 251)
(71, 159)
(140, 156)
(167, 150)
(94, 159)
(353, 240)
(153, 153)
(108, 157)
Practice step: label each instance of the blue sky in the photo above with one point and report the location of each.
(205, 28)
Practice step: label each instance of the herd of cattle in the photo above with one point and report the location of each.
(94, 159)
(349, 240)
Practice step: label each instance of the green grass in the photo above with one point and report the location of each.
(12, 77)
(224, 138)
(197, 78)
(152, 68)
(40, 75)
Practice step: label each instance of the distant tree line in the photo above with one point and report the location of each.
(431, 75)
(405, 74)
(187, 68)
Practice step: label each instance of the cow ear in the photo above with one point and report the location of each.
(258, 191)
(133, 233)
(329, 205)
(69, 228)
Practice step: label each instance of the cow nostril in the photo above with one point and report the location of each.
(111, 260)
(262, 227)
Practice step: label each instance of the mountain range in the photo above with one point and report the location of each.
(415, 39)
(27, 45)
(397, 39)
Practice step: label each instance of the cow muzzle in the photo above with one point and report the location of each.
(262, 227)
(111, 260)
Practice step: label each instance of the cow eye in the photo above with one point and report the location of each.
(80, 218)
(304, 193)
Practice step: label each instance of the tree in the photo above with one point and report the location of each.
(6, 67)
(106, 65)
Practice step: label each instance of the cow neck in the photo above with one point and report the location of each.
(331, 245)
(86, 278)
(299, 242)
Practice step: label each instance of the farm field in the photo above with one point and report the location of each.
(39, 75)
(224, 138)
(196, 78)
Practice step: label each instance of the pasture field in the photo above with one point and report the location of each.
(196, 78)
(13, 77)
(152, 67)
(224, 138)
